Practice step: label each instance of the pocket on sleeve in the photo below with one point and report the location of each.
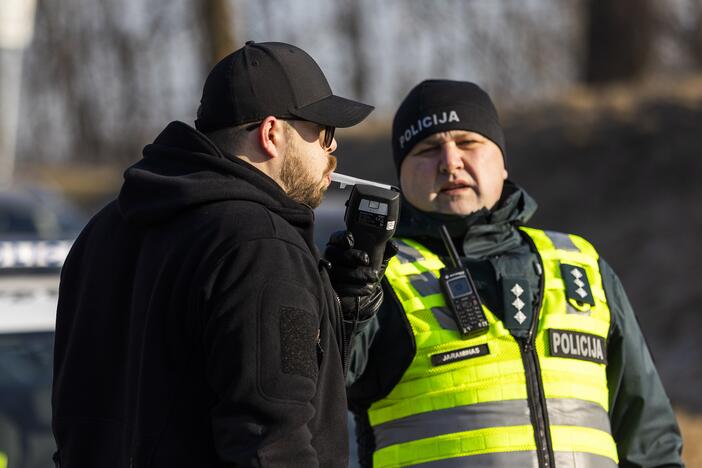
(288, 332)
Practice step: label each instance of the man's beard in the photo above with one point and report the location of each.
(299, 183)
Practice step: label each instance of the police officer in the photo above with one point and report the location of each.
(560, 377)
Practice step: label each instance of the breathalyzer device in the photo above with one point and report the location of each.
(372, 211)
(460, 293)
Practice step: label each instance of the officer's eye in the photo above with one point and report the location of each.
(466, 143)
(424, 151)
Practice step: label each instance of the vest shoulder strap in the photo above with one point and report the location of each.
(553, 240)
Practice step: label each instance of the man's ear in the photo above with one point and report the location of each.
(271, 137)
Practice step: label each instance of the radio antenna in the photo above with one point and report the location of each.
(450, 248)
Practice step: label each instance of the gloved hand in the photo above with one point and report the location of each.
(356, 283)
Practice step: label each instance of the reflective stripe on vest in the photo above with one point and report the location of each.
(476, 406)
(521, 460)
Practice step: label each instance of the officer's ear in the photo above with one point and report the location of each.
(272, 137)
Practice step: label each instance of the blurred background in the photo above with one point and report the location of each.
(601, 101)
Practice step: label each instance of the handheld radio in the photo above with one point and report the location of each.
(461, 294)
(371, 215)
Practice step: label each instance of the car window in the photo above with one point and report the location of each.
(25, 360)
(37, 214)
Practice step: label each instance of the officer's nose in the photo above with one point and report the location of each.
(449, 158)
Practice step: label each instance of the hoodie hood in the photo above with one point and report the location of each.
(183, 169)
(481, 233)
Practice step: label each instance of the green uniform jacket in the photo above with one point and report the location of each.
(643, 422)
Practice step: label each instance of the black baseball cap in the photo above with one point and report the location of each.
(272, 78)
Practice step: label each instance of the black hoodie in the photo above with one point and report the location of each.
(195, 327)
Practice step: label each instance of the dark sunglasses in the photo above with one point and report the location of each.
(328, 131)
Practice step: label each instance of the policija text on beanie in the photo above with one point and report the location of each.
(435, 106)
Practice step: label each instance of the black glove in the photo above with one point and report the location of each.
(356, 283)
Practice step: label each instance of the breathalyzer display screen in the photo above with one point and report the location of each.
(459, 287)
(372, 213)
(370, 219)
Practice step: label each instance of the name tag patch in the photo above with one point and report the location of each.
(459, 354)
(577, 345)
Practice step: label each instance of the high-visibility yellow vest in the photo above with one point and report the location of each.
(3, 460)
(465, 402)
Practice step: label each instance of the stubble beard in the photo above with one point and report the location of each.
(300, 184)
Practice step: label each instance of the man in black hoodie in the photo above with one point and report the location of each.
(197, 326)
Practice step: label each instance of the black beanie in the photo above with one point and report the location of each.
(438, 106)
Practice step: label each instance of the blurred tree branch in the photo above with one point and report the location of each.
(220, 36)
(96, 75)
(350, 19)
(102, 76)
(619, 39)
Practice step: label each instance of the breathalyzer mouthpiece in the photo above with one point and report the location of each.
(344, 180)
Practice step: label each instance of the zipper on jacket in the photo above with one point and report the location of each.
(342, 340)
(537, 404)
(534, 383)
(320, 350)
(345, 340)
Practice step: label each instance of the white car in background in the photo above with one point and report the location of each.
(29, 279)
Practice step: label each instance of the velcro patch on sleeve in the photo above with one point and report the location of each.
(577, 345)
(298, 338)
(459, 354)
